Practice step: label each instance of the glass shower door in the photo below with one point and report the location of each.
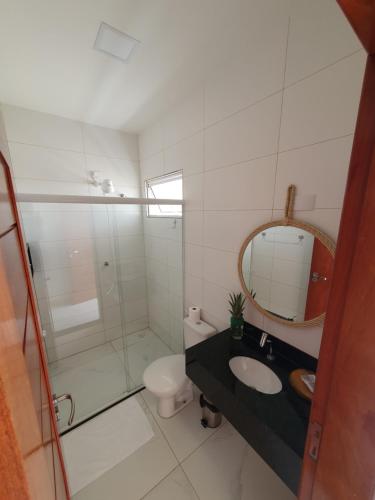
(161, 332)
(72, 249)
(108, 281)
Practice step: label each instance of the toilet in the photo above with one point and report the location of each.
(166, 377)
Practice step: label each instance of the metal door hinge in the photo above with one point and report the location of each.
(315, 435)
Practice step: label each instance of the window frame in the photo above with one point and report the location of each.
(161, 179)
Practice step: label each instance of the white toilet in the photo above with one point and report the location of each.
(166, 377)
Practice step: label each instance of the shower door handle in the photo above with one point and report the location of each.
(58, 399)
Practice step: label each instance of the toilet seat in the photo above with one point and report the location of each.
(166, 376)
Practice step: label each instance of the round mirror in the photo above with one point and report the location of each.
(286, 269)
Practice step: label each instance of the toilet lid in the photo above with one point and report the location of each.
(166, 374)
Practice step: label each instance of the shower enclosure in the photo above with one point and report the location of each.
(108, 282)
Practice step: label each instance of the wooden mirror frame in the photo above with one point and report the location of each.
(286, 221)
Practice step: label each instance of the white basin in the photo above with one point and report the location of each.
(255, 374)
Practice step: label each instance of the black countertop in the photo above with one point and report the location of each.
(275, 425)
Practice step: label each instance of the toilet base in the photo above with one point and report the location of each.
(167, 407)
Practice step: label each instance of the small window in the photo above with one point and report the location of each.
(165, 187)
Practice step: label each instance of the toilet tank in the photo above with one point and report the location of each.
(196, 332)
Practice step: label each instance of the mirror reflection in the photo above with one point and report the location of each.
(287, 271)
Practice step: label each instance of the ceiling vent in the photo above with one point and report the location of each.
(115, 43)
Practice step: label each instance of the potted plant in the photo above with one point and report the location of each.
(237, 307)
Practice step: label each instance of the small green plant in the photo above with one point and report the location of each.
(237, 304)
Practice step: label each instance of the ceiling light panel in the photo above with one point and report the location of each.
(115, 43)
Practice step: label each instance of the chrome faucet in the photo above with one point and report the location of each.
(263, 339)
(270, 355)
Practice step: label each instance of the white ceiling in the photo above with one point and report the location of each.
(48, 64)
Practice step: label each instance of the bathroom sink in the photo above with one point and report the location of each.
(255, 374)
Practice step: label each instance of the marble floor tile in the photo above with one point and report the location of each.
(100, 444)
(99, 376)
(93, 385)
(79, 359)
(176, 486)
(183, 431)
(225, 467)
(140, 351)
(138, 474)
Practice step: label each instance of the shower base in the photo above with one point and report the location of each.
(102, 375)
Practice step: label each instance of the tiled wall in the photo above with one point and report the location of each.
(70, 244)
(281, 111)
(163, 243)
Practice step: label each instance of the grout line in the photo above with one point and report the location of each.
(206, 126)
(268, 155)
(323, 68)
(80, 182)
(188, 480)
(281, 113)
(180, 462)
(203, 442)
(76, 151)
(161, 480)
(336, 138)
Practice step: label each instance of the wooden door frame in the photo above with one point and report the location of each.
(361, 15)
(35, 315)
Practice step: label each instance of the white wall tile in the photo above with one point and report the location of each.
(186, 155)
(34, 162)
(54, 226)
(327, 220)
(193, 192)
(319, 35)
(133, 268)
(175, 253)
(319, 170)
(126, 223)
(34, 186)
(66, 280)
(66, 253)
(228, 230)
(41, 129)
(152, 166)
(248, 134)
(121, 171)
(135, 309)
(240, 194)
(112, 317)
(110, 143)
(193, 292)
(134, 289)
(194, 260)
(193, 227)
(253, 316)
(244, 186)
(151, 141)
(185, 119)
(70, 348)
(129, 247)
(221, 268)
(215, 301)
(323, 106)
(236, 85)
